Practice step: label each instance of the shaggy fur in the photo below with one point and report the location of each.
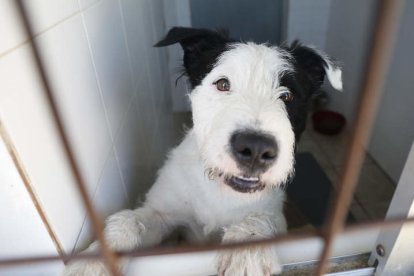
(209, 184)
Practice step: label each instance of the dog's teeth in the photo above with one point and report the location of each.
(248, 178)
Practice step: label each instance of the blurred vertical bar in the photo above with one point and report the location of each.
(381, 48)
(110, 258)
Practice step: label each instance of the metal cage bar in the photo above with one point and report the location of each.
(377, 65)
(382, 43)
(109, 256)
(157, 251)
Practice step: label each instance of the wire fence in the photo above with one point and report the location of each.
(381, 47)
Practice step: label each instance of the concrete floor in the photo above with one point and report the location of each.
(374, 190)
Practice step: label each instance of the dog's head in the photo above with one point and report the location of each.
(249, 103)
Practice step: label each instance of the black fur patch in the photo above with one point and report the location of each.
(201, 48)
(303, 82)
(309, 64)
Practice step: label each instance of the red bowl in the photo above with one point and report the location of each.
(328, 122)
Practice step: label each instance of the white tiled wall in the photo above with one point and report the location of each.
(113, 91)
(348, 38)
(26, 116)
(308, 21)
(343, 30)
(395, 113)
(17, 214)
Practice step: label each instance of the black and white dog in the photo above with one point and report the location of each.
(249, 105)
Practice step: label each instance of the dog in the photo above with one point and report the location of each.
(249, 105)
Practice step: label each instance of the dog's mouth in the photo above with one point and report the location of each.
(239, 183)
(244, 184)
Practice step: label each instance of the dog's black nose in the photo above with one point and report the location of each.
(252, 150)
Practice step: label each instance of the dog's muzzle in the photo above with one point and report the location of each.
(253, 151)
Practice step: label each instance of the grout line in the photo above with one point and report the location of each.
(27, 41)
(112, 135)
(98, 83)
(151, 87)
(88, 6)
(95, 190)
(358, 201)
(5, 53)
(150, 84)
(164, 70)
(375, 163)
(30, 189)
(108, 255)
(94, 194)
(118, 164)
(131, 73)
(121, 175)
(134, 86)
(73, 251)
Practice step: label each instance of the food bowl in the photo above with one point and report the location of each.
(328, 122)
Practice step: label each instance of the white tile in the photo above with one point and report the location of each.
(84, 4)
(85, 238)
(11, 29)
(131, 147)
(136, 37)
(18, 214)
(146, 110)
(157, 76)
(26, 115)
(70, 69)
(104, 28)
(150, 63)
(109, 198)
(44, 14)
(157, 15)
(110, 195)
(41, 269)
(166, 136)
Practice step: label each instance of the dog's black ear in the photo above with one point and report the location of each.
(192, 39)
(315, 66)
(201, 49)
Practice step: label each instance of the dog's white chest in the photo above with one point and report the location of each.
(218, 207)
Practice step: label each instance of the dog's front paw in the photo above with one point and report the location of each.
(253, 261)
(84, 268)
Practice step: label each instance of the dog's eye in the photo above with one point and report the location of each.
(286, 96)
(222, 84)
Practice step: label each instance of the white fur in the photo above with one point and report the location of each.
(184, 194)
(334, 75)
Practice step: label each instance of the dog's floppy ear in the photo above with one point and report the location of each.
(201, 49)
(315, 65)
